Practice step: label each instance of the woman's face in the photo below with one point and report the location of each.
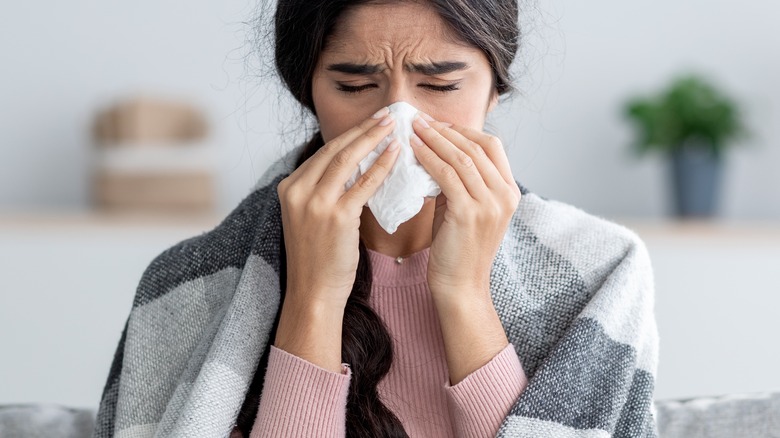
(381, 54)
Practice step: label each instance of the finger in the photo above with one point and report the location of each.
(493, 147)
(368, 183)
(345, 162)
(462, 163)
(445, 175)
(313, 168)
(490, 174)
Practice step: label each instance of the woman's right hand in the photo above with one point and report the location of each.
(321, 223)
(321, 220)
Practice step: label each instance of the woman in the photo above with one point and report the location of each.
(504, 317)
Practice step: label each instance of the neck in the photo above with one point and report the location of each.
(411, 236)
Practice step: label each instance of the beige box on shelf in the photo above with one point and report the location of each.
(161, 178)
(162, 192)
(146, 120)
(150, 156)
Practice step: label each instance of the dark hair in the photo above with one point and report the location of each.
(490, 25)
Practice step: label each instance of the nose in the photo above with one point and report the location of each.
(399, 90)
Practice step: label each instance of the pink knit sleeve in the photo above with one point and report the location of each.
(301, 399)
(480, 402)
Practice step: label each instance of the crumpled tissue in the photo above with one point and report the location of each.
(401, 195)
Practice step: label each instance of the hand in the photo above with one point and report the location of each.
(321, 220)
(479, 196)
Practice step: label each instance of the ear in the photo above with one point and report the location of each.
(493, 100)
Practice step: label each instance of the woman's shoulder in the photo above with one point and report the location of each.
(251, 228)
(570, 285)
(589, 242)
(563, 220)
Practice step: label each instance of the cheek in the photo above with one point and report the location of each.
(474, 120)
(470, 111)
(334, 115)
(471, 116)
(329, 128)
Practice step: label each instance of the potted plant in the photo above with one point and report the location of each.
(693, 124)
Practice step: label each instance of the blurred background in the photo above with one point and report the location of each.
(127, 127)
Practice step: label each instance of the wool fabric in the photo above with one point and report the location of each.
(574, 293)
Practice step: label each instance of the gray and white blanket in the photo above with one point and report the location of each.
(574, 292)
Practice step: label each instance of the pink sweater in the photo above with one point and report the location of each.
(301, 399)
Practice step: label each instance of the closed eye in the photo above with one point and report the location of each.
(350, 89)
(437, 88)
(441, 88)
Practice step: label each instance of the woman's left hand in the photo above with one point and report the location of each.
(479, 196)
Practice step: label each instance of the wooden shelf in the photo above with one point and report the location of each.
(720, 229)
(742, 230)
(107, 219)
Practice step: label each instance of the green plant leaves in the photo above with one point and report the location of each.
(689, 108)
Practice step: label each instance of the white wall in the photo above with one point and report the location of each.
(62, 61)
(716, 309)
(571, 141)
(565, 137)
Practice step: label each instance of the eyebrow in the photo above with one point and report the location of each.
(438, 68)
(434, 68)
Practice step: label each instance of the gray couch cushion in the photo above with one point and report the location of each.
(728, 416)
(41, 420)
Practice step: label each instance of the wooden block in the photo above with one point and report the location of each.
(160, 192)
(149, 120)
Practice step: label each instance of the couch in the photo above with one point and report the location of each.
(728, 416)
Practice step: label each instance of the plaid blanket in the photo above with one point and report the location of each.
(574, 292)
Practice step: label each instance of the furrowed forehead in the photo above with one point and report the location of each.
(427, 68)
(369, 29)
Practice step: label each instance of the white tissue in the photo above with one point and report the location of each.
(401, 195)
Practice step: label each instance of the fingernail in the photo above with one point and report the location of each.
(387, 120)
(393, 145)
(447, 124)
(426, 116)
(380, 113)
(415, 140)
(421, 122)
